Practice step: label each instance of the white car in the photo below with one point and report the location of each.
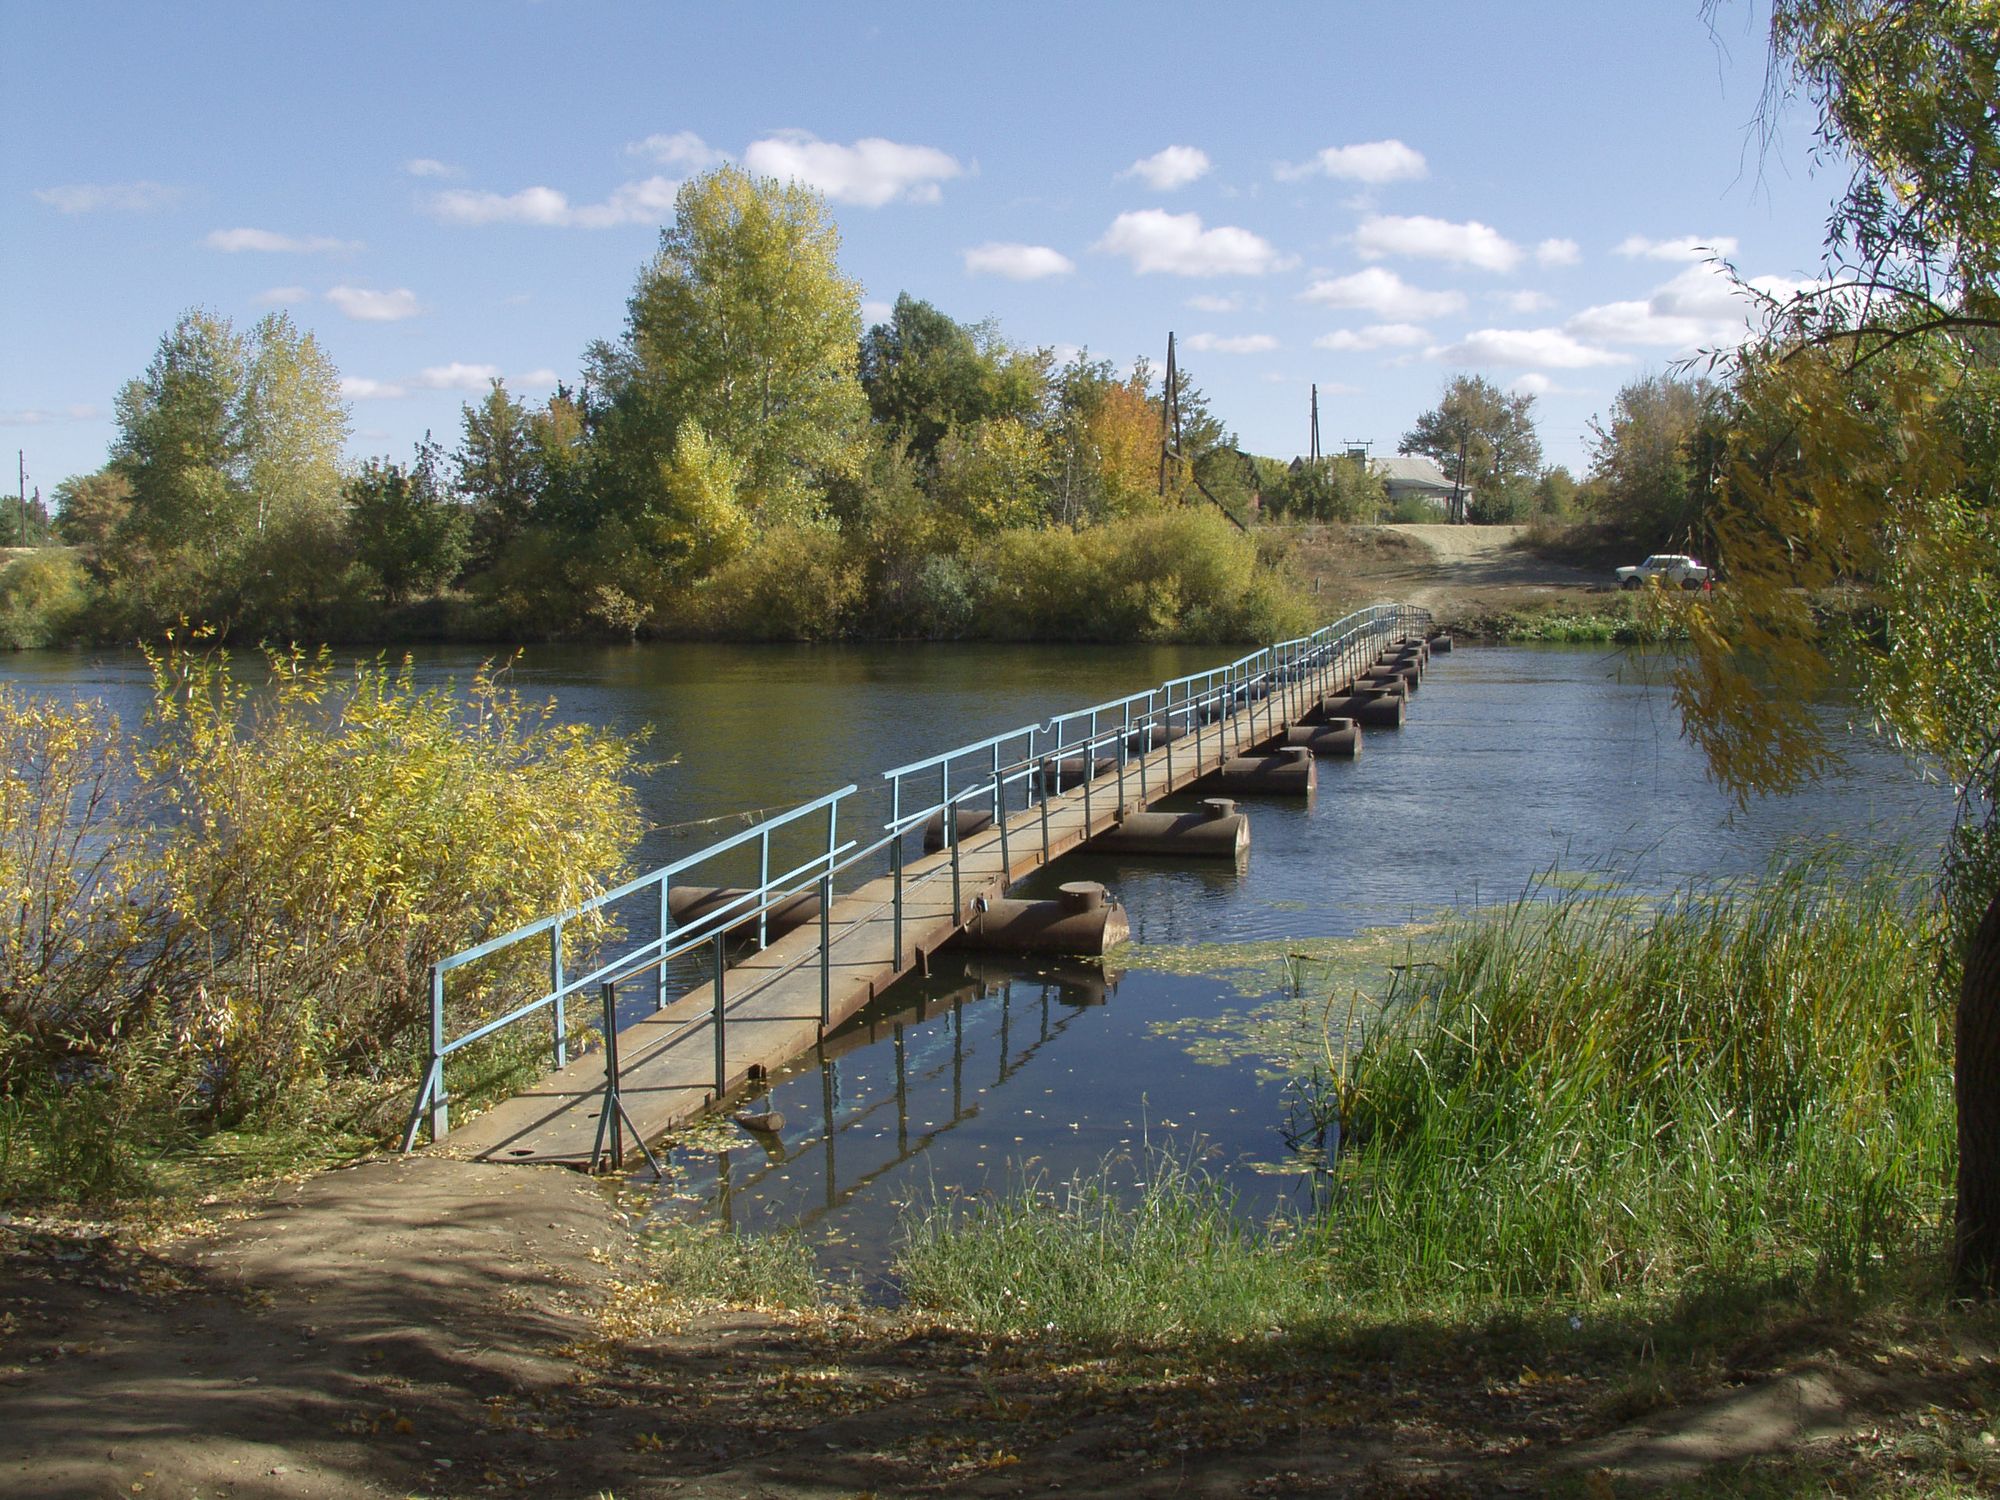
(1668, 568)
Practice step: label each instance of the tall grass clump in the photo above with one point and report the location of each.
(1175, 1264)
(1585, 1099)
(1750, 1080)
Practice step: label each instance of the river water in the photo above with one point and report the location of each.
(1517, 762)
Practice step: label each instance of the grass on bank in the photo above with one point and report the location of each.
(1744, 1092)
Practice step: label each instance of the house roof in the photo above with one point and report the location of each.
(1411, 473)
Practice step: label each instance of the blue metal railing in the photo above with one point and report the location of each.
(1110, 741)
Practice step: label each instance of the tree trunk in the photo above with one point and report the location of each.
(1976, 1254)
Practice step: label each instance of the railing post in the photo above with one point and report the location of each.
(1041, 798)
(763, 890)
(825, 951)
(556, 988)
(1089, 765)
(611, 1115)
(896, 863)
(896, 880)
(432, 1096)
(720, 1024)
(1000, 817)
(666, 932)
(951, 843)
(1124, 753)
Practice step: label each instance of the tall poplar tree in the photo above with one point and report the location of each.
(744, 324)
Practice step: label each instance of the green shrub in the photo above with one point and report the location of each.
(236, 924)
(78, 942)
(337, 835)
(794, 583)
(43, 597)
(1182, 574)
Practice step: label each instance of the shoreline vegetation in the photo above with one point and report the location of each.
(1598, 1160)
(1184, 578)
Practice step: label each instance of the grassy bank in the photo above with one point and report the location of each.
(1578, 1109)
(1579, 618)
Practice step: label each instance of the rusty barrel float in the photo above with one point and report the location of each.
(1338, 737)
(1216, 830)
(1081, 919)
(1288, 771)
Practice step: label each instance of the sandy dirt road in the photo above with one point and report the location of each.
(1466, 559)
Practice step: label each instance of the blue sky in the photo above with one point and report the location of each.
(1370, 197)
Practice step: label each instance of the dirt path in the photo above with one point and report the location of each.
(441, 1328)
(1468, 559)
(355, 1336)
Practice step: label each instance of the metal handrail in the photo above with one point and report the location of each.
(1199, 698)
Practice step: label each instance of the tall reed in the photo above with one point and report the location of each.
(1750, 1078)
(1584, 1100)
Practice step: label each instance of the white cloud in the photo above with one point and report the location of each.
(1379, 336)
(1177, 245)
(1384, 294)
(1687, 247)
(683, 149)
(430, 166)
(1239, 343)
(37, 416)
(460, 376)
(1467, 244)
(266, 241)
(1371, 162)
(374, 307)
(877, 312)
(1534, 383)
(361, 388)
(280, 296)
(456, 376)
(1525, 346)
(1172, 168)
(870, 172)
(1558, 252)
(534, 205)
(649, 201)
(1699, 308)
(110, 197)
(1524, 301)
(1017, 262)
(1208, 303)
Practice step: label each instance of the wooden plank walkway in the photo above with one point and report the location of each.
(667, 1071)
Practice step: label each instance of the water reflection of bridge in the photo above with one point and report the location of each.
(923, 1058)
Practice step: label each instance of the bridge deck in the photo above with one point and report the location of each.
(667, 1068)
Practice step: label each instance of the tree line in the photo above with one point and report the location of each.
(744, 458)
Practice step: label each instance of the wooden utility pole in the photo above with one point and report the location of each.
(1315, 424)
(21, 467)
